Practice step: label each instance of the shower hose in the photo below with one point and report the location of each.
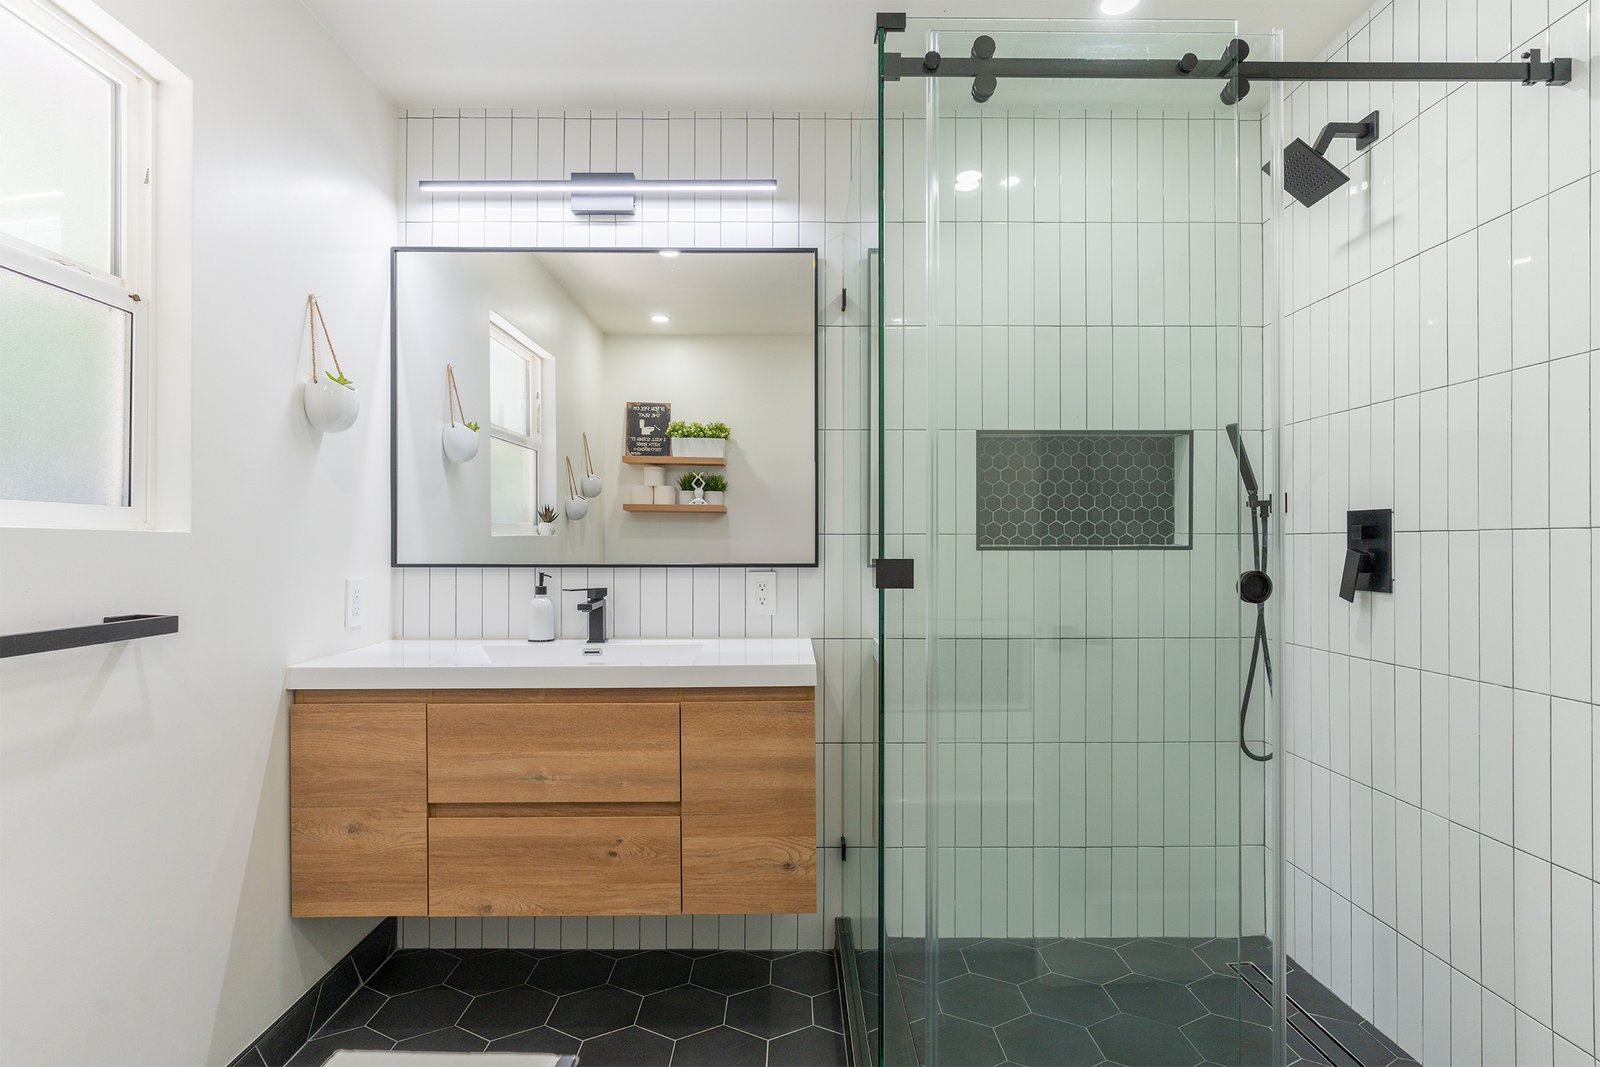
(1259, 521)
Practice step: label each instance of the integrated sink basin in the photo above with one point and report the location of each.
(564, 664)
(555, 653)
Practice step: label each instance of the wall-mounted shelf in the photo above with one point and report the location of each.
(680, 509)
(676, 461)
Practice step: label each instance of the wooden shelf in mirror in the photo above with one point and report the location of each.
(676, 461)
(681, 509)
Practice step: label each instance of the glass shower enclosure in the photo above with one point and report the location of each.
(1074, 854)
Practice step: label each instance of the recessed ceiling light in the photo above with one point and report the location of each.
(669, 253)
(660, 320)
(1117, 7)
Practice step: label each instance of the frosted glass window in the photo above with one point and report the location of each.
(65, 395)
(513, 486)
(58, 148)
(510, 399)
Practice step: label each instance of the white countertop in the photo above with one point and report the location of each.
(566, 664)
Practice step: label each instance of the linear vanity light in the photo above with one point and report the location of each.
(599, 194)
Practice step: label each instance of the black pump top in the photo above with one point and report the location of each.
(539, 590)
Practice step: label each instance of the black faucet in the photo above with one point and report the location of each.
(595, 608)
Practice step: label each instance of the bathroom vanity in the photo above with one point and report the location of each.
(504, 778)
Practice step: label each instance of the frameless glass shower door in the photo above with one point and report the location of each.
(1075, 860)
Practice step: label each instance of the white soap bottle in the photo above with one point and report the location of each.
(541, 613)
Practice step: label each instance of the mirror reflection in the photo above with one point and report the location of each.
(605, 407)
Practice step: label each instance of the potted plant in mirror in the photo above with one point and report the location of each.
(716, 489)
(547, 520)
(329, 398)
(691, 486)
(461, 436)
(698, 438)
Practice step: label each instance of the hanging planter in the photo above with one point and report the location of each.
(577, 506)
(590, 485)
(329, 399)
(460, 438)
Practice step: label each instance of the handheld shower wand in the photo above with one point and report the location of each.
(1254, 585)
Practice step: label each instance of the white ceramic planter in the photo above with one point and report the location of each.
(577, 508)
(665, 494)
(686, 496)
(546, 529)
(330, 407)
(716, 497)
(699, 446)
(590, 485)
(460, 443)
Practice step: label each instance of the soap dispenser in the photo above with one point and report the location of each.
(541, 613)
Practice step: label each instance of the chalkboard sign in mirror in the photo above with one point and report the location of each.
(551, 345)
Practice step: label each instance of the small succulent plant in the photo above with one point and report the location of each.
(716, 483)
(471, 426)
(546, 513)
(335, 376)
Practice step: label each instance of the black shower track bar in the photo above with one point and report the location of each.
(1532, 71)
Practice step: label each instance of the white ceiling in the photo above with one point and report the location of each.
(745, 294)
(707, 54)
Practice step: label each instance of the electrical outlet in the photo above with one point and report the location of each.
(761, 590)
(355, 602)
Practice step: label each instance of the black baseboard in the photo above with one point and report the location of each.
(284, 1037)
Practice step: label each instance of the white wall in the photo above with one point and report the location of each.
(143, 789)
(814, 159)
(1440, 796)
(1086, 707)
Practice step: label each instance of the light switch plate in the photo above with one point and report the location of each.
(761, 590)
(355, 602)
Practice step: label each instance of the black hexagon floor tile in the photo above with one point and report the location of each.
(1067, 999)
(450, 1039)
(1150, 998)
(1034, 1041)
(1008, 961)
(592, 1012)
(539, 1039)
(806, 1048)
(1167, 960)
(491, 971)
(977, 999)
(507, 1012)
(630, 1047)
(1084, 960)
(412, 969)
(677, 1013)
(770, 1011)
(570, 972)
(732, 972)
(1130, 1040)
(422, 1011)
(651, 972)
(720, 1047)
(805, 972)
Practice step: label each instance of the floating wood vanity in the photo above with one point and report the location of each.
(598, 800)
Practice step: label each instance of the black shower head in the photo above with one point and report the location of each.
(1246, 473)
(1307, 174)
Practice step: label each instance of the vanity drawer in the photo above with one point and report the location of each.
(554, 865)
(552, 753)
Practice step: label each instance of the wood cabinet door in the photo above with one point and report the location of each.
(749, 806)
(358, 816)
(554, 865)
(552, 753)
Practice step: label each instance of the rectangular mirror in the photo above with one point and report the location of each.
(642, 369)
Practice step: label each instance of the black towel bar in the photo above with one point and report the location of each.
(114, 628)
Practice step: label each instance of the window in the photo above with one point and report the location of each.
(516, 429)
(74, 273)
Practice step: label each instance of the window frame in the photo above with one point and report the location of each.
(540, 362)
(126, 289)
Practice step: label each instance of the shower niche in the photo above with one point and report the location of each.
(1084, 489)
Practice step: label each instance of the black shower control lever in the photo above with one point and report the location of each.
(1369, 548)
